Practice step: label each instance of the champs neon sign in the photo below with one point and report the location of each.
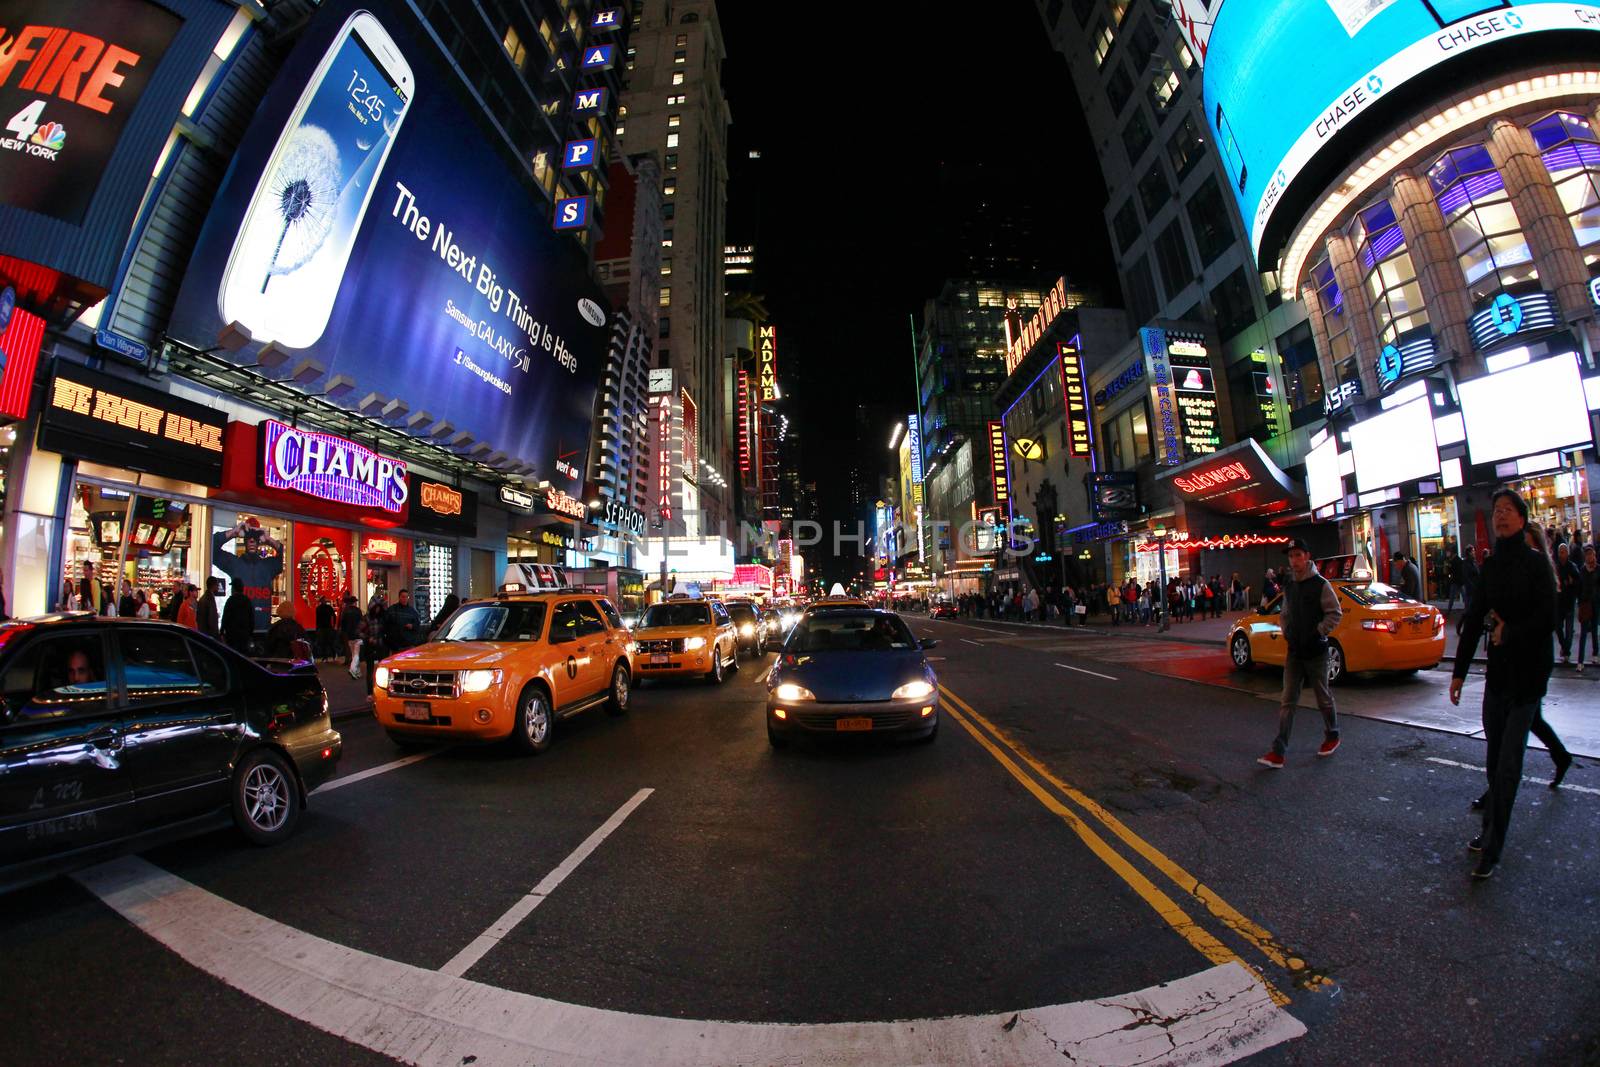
(330, 468)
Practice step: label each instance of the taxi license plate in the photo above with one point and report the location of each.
(417, 711)
(658, 657)
(853, 724)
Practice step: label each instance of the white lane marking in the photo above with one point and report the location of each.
(502, 926)
(1526, 778)
(422, 1017)
(970, 641)
(1085, 670)
(373, 772)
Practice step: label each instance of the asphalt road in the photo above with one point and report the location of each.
(1089, 823)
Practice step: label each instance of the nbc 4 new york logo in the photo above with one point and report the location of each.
(33, 136)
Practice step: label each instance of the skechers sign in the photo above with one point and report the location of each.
(330, 468)
(1282, 81)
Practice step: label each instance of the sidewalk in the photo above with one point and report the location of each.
(347, 696)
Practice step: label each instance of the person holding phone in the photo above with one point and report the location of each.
(1515, 605)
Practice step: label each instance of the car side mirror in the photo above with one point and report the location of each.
(929, 642)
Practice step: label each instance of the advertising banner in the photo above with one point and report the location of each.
(1072, 388)
(1169, 446)
(999, 464)
(1282, 80)
(93, 416)
(368, 223)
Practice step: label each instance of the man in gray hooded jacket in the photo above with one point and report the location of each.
(1309, 614)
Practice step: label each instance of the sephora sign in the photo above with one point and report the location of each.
(331, 468)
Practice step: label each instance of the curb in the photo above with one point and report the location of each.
(346, 714)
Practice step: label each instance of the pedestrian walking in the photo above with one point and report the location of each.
(186, 610)
(1407, 578)
(1453, 573)
(1310, 613)
(1270, 587)
(1515, 604)
(238, 621)
(351, 624)
(1588, 604)
(1567, 583)
(327, 631)
(207, 613)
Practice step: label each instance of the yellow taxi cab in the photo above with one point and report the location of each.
(509, 667)
(838, 600)
(686, 635)
(1380, 630)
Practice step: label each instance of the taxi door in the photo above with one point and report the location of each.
(727, 635)
(1266, 634)
(577, 635)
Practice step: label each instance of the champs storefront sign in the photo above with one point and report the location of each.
(439, 508)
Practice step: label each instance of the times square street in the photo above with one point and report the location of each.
(1086, 863)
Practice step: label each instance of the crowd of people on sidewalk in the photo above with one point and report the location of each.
(1187, 598)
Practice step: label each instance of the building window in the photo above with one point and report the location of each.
(672, 140)
(1302, 374)
(1165, 88)
(666, 297)
(674, 121)
(1330, 301)
(1119, 87)
(1187, 147)
(666, 267)
(668, 210)
(1389, 275)
(1232, 303)
(543, 172)
(1136, 136)
(679, 56)
(682, 40)
(1208, 216)
(1154, 192)
(672, 161)
(1140, 289)
(1126, 438)
(664, 329)
(1567, 144)
(1082, 9)
(621, 129)
(1118, 8)
(677, 77)
(1103, 40)
(1186, 58)
(669, 187)
(1126, 225)
(1172, 259)
(1482, 223)
(1144, 43)
(512, 43)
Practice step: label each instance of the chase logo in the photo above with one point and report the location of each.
(1389, 363)
(572, 213)
(1513, 20)
(1374, 84)
(600, 57)
(1594, 290)
(1506, 314)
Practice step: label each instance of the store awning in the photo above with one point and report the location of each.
(1237, 480)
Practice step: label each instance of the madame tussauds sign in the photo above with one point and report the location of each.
(330, 468)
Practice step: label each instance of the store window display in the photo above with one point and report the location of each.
(143, 540)
(250, 554)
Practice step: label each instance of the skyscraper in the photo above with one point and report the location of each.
(672, 105)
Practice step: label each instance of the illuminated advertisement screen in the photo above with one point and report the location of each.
(999, 466)
(369, 224)
(1324, 483)
(1397, 446)
(72, 73)
(1496, 409)
(94, 416)
(1282, 80)
(1072, 387)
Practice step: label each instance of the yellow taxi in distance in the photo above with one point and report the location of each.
(686, 635)
(1380, 630)
(837, 602)
(508, 668)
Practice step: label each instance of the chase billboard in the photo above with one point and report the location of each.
(368, 223)
(1282, 80)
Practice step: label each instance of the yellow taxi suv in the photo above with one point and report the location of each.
(686, 636)
(1381, 630)
(508, 668)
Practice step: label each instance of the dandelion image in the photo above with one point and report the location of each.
(306, 186)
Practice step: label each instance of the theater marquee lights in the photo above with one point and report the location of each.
(1072, 387)
(767, 363)
(1054, 303)
(997, 462)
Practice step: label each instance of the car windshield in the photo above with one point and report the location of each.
(851, 632)
(510, 621)
(677, 615)
(1375, 593)
(742, 612)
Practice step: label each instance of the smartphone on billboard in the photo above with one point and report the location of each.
(294, 243)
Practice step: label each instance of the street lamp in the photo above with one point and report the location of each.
(1159, 538)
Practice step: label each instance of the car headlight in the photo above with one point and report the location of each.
(747, 629)
(692, 643)
(913, 691)
(790, 691)
(479, 681)
(380, 677)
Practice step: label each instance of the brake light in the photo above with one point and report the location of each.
(1388, 626)
(15, 630)
(1438, 622)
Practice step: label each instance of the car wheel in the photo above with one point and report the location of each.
(620, 682)
(1336, 664)
(715, 675)
(531, 733)
(266, 797)
(775, 739)
(404, 742)
(735, 657)
(1239, 651)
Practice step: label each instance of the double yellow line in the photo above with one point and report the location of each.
(1013, 757)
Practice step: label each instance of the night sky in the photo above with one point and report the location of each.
(862, 136)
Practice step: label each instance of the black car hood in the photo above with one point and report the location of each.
(838, 677)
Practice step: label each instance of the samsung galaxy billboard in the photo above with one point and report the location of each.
(1282, 80)
(369, 224)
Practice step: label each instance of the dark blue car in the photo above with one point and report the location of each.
(852, 671)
